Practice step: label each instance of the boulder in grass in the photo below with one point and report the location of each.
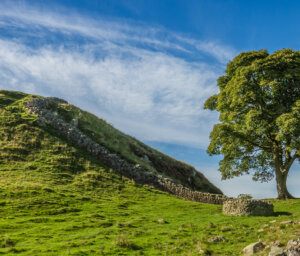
(253, 248)
(276, 251)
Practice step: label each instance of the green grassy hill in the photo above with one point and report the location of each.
(57, 199)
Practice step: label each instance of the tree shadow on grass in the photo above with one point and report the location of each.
(278, 214)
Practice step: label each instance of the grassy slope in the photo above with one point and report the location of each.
(57, 200)
(135, 151)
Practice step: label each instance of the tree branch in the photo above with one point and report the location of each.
(292, 159)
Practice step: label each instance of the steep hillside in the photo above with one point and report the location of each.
(146, 160)
(57, 198)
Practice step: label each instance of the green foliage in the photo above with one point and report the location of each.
(259, 105)
(244, 196)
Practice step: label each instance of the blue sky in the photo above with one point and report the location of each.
(144, 66)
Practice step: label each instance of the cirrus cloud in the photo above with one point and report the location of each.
(146, 81)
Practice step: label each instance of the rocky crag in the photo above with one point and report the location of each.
(42, 107)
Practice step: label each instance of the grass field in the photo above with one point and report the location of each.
(56, 199)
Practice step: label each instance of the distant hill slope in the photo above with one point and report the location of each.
(24, 140)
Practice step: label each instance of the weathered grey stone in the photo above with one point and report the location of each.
(160, 221)
(242, 207)
(217, 239)
(293, 247)
(276, 251)
(287, 222)
(253, 248)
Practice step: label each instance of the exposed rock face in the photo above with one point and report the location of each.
(253, 248)
(242, 207)
(293, 248)
(46, 117)
(276, 251)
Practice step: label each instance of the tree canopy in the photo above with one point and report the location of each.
(259, 105)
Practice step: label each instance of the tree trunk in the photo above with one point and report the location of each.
(283, 193)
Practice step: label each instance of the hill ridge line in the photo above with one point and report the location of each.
(40, 107)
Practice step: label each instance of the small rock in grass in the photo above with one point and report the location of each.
(276, 243)
(260, 230)
(287, 222)
(273, 221)
(161, 221)
(297, 233)
(276, 251)
(253, 248)
(217, 239)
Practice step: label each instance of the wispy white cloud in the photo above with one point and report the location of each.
(145, 80)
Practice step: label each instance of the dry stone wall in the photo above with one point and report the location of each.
(247, 207)
(46, 117)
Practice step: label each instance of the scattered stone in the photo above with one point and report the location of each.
(276, 251)
(293, 248)
(217, 239)
(253, 248)
(201, 251)
(242, 207)
(297, 233)
(273, 221)
(287, 222)
(276, 243)
(266, 225)
(161, 221)
(260, 230)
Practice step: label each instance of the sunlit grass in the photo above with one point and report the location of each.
(56, 199)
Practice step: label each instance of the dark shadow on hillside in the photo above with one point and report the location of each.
(277, 214)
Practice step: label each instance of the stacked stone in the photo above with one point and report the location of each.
(247, 207)
(46, 117)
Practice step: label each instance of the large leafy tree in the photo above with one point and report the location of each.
(259, 105)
